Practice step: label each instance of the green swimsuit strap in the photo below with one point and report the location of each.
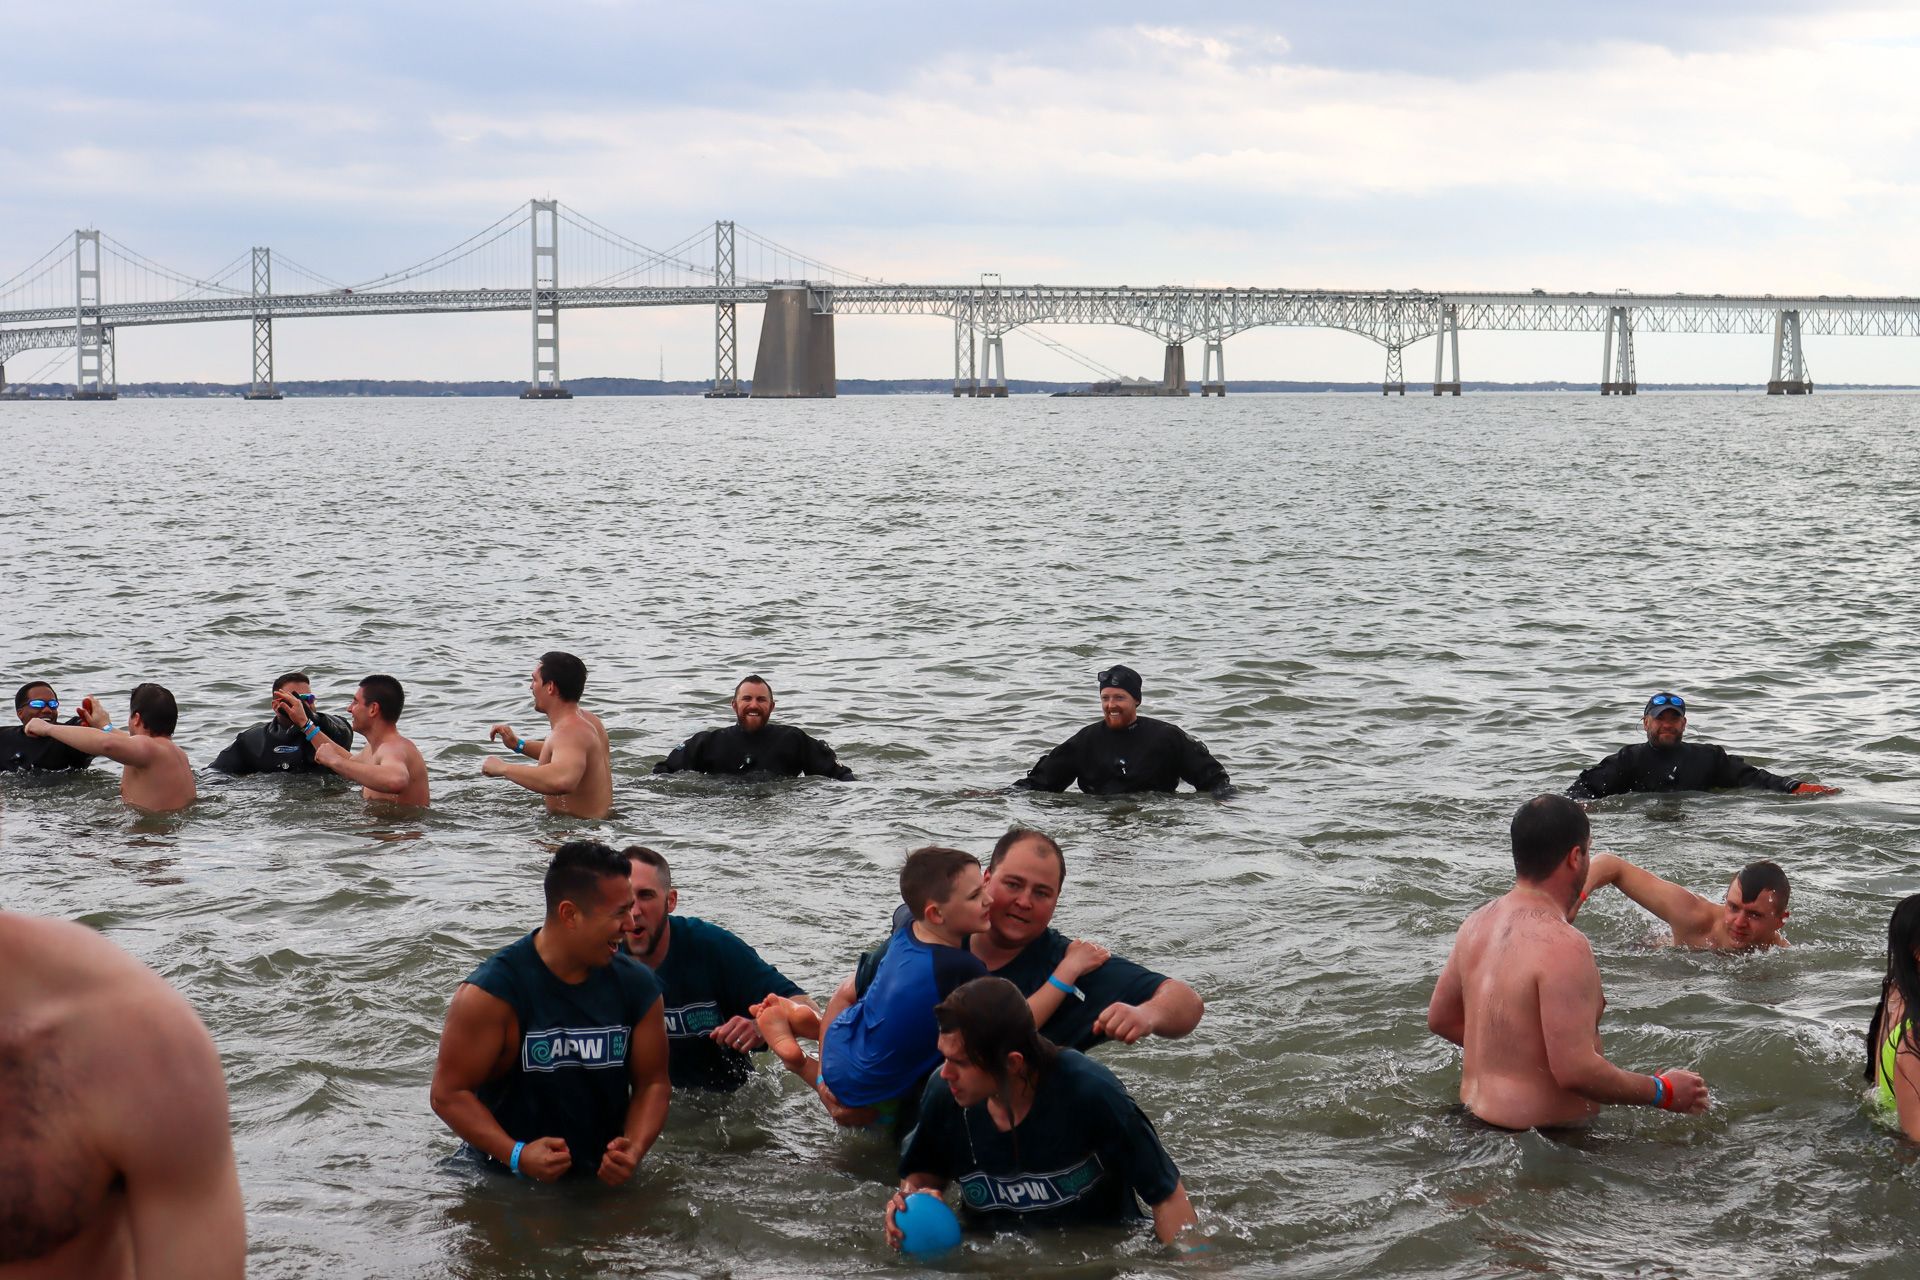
(1889, 1050)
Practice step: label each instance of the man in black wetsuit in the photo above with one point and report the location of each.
(279, 746)
(708, 979)
(753, 746)
(1664, 763)
(36, 700)
(1114, 998)
(1126, 751)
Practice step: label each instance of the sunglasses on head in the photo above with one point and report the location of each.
(45, 704)
(1672, 700)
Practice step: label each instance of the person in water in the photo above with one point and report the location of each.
(1035, 1134)
(278, 746)
(391, 769)
(157, 776)
(1748, 920)
(575, 771)
(709, 979)
(36, 700)
(754, 745)
(1664, 763)
(1893, 1054)
(1520, 993)
(1125, 751)
(116, 1158)
(1104, 996)
(553, 1059)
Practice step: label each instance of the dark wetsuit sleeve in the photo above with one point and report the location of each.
(683, 757)
(235, 759)
(1732, 771)
(1056, 770)
(1198, 767)
(817, 758)
(1610, 777)
(336, 727)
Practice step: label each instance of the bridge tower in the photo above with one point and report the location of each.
(993, 368)
(1395, 382)
(544, 301)
(1213, 368)
(1173, 372)
(1449, 329)
(93, 346)
(966, 381)
(1617, 376)
(726, 343)
(1789, 358)
(263, 388)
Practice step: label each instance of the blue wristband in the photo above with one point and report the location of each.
(1659, 1091)
(514, 1162)
(312, 731)
(107, 727)
(1053, 981)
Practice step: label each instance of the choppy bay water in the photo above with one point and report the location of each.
(1391, 620)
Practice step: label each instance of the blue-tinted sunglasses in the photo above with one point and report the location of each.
(305, 697)
(1662, 700)
(45, 704)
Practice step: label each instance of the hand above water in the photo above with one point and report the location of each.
(505, 736)
(1815, 789)
(1689, 1091)
(291, 707)
(616, 1166)
(742, 1034)
(545, 1159)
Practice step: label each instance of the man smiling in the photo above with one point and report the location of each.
(1125, 751)
(1665, 763)
(752, 745)
(19, 750)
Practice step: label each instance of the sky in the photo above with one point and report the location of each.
(1707, 147)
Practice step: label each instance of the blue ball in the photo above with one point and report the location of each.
(928, 1226)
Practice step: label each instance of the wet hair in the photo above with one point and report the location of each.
(993, 1022)
(752, 679)
(24, 696)
(385, 692)
(1543, 830)
(292, 677)
(928, 876)
(566, 673)
(647, 857)
(156, 709)
(1759, 877)
(577, 871)
(1015, 835)
(1903, 972)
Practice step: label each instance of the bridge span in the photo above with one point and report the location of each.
(39, 310)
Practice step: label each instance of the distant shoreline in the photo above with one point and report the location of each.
(352, 388)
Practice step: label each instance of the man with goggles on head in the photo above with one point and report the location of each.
(36, 700)
(1664, 763)
(279, 746)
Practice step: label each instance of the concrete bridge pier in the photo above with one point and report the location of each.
(993, 380)
(796, 346)
(1789, 358)
(1395, 383)
(1173, 380)
(1617, 376)
(1213, 369)
(1449, 329)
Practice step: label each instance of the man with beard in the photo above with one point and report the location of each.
(1125, 751)
(708, 978)
(1664, 763)
(1102, 996)
(751, 745)
(36, 700)
(391, 769)
(278, 746)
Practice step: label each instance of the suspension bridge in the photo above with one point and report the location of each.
(83, 290)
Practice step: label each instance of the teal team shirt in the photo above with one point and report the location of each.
(569, 1078)
(1084, 1154)
(709, 977)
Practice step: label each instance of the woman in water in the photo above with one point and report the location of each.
(1893, 1052)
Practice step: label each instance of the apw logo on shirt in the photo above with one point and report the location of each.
(1026, 1192)
(592, 1048)
(691, 1020)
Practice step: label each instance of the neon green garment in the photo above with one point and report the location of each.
(1889, 1048)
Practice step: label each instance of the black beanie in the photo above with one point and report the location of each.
(1123, 678)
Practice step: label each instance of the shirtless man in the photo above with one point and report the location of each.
(1750, 919)
(390, 768)
(574, 772)
(157, 776)
(116, 1159)
(1521, 993)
